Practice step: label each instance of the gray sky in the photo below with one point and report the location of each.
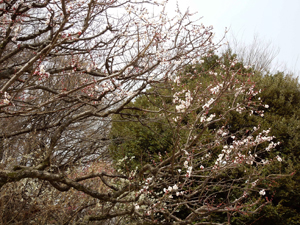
(275, 21)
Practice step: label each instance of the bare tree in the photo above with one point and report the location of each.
(66, 67)
(258, 54)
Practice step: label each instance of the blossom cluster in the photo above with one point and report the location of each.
(184, 104)
(7, 98)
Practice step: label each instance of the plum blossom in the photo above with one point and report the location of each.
(186, 152)
(6, 98)
(279, 158)
(262, 192)
(175, 187)
(136, 206)
(206, 105)
(264, 162)
(6, 95)
(210, 117)
(254, 183)
(189, 171)
(42, 70)
(183, 104)
(186, 164)
(202, 119)
(177, 80)
(215, 90)
(245, 194)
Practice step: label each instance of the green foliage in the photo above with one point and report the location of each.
(136, 137)
(279, 91)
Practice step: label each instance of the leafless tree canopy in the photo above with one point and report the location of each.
(258, 54)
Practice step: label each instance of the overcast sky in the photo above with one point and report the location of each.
(275, 21)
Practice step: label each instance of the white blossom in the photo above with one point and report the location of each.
(42, 70)
(279, 158)
(262, 192)
(136, 206)
(189, 171)
(186, 164)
